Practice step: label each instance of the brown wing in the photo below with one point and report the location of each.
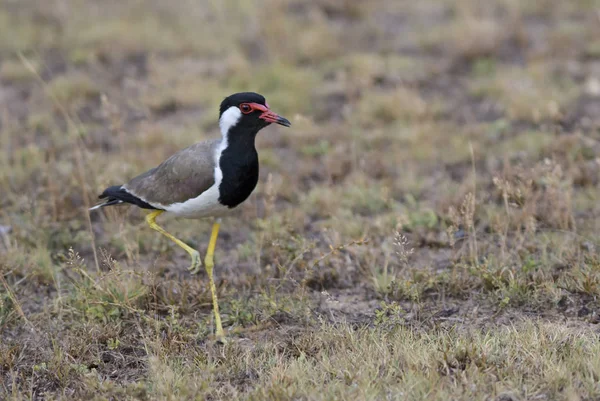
(183, 176)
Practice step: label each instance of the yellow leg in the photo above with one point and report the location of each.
(209, 263)
(196, 261)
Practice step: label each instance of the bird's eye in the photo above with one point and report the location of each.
(245, 107)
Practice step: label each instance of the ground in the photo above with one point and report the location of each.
(427, 229)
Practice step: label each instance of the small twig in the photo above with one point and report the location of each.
(78, 146)
(474, 197)
(338, 248)
(119, 305)
(15, 301)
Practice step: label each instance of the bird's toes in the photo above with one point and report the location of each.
(196, 263)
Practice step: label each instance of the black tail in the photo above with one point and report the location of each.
(116, 195)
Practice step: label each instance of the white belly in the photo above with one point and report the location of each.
(204, 205)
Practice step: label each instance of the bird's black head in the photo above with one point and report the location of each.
(247, 110)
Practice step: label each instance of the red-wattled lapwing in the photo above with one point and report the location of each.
(208, 179)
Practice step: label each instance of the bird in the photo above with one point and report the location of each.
(207, 179)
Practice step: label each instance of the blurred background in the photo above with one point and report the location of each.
(443, 157)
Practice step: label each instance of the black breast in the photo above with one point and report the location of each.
(240, 175)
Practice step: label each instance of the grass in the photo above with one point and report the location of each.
(428, 228)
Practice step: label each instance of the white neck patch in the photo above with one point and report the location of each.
(229, 118)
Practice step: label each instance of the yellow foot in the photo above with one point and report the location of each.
(196, 262)
(220, 337)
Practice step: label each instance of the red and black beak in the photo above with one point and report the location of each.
(271, 116)
(275, 118)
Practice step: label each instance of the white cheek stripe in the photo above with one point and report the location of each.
(229, 118)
